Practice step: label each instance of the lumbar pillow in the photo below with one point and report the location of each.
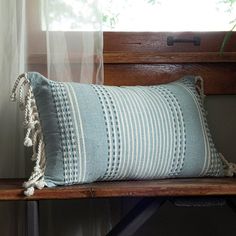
(82, 133)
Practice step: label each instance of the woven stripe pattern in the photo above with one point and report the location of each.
(67, 133)
(135, 132)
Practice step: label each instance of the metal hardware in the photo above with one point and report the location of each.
(171, 40)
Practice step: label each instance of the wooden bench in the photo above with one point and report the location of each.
(144, 68)
(154, 193)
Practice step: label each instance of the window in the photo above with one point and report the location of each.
(124, 46)
(142, 15)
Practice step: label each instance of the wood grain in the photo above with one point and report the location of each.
(10, 189)
(173, 57)
(157, 42)
(147, 57)
(219, 78)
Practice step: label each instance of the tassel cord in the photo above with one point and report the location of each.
(199, 84)
(230, 168)
(33, 136)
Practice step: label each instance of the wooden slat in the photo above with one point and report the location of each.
(168, 187)
(219, 78)
(12, 190)
(147, 58)
(167, 57)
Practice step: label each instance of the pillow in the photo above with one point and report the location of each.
(83, 133)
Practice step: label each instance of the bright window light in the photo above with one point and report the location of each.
(141, 15)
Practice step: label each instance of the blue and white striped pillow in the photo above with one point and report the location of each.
(87, 133)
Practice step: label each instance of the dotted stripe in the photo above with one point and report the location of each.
(112, 130)
(68, 139)
(116, 133)
(101, 98)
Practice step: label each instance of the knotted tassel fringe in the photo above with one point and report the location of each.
(230, 168)
(34, 135)
(200, 87)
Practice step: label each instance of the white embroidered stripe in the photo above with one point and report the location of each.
(169, 135)
(128, 133)
(122, 121)
(166, 132)
(148, 112)
(155, 125)
(128, 103)
(144, 132)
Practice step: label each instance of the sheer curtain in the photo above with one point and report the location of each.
(74, 40)
(12, 62)
(62, 40)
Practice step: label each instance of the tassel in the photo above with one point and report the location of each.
(34, 136)
(29, 192)
(28, 142)
(200, 87)
(15, 86)
(230, 168)
(40, 184)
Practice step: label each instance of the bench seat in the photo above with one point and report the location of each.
(10, 189)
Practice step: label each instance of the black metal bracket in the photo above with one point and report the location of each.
(171, 40)
(137, 217)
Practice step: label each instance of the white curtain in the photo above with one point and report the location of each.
(61, 39)
(74, 40)
(12, 62)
